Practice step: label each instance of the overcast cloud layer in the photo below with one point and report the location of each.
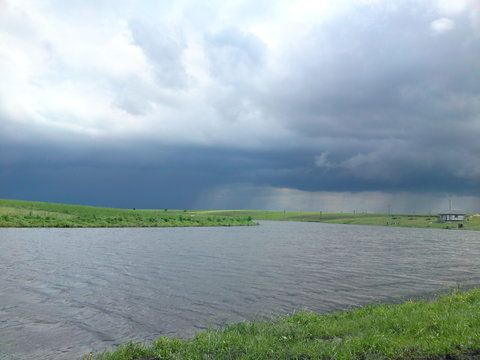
(335, 105)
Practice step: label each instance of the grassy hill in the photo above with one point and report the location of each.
(15, 213)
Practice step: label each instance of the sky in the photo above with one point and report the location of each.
(338, 105)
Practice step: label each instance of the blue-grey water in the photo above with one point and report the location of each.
(65, 292)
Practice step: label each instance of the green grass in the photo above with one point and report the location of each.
(15, 213)
(419, 221)
(445, 328)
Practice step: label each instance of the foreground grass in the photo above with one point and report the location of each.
(445, 328)
(14, 213)
(419, 221)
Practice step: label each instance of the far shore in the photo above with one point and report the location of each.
(17, 213)
(472, 222)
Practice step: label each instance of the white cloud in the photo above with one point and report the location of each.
(161, 71)
(454, 7)
(109, 73)
(442, 25)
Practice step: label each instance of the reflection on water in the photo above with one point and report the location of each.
(64, 292)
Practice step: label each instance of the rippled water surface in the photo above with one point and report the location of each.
(65, 292)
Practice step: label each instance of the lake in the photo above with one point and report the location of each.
(65, 292)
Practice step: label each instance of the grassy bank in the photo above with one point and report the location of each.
(445, 328)
(419, 221)
(14, 213)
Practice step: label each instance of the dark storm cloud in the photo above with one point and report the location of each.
(154, 175)
(131, 175)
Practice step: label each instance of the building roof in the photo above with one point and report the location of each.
(452, 212)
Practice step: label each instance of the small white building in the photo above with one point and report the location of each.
(452, 215)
